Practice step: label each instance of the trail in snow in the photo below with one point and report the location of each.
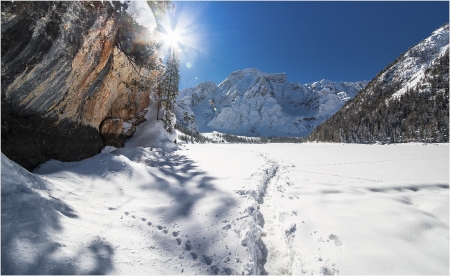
(277, 232)
(231, 209)
(351, 209)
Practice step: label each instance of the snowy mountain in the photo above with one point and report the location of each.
(407, 101)
(253, 103)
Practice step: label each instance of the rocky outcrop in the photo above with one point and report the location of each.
(75, 77)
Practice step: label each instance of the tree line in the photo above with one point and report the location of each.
(419, 115)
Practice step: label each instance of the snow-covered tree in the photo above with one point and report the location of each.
(169, 86)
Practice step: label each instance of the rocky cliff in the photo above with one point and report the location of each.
(75, 77)
(253, 103)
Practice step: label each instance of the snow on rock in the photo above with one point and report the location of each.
(187, 117)
(253, 103)
(410, 70)
(142, 14)
(151, 133)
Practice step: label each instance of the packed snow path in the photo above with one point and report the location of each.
(231, 209)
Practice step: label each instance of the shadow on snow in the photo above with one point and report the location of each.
(30, 219)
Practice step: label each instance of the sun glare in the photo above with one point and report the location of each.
(172, 39)
(179, 33)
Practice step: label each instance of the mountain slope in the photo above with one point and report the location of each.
(407, 101)
(252, 103)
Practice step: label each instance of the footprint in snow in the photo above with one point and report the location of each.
(194, 255)
(227, 227)
(208, 260)
(336, 240)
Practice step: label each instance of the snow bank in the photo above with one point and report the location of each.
(151, 133)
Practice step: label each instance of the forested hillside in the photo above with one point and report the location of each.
(406, 102)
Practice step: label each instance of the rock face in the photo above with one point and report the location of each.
(253, 103)
(73, 79)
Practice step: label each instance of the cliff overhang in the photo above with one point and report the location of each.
(76, 77)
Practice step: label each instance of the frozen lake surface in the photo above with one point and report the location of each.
(231, 209)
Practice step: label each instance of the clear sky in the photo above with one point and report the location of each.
(309, 41)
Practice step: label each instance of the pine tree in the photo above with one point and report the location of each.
(169, 86)
(157, 91)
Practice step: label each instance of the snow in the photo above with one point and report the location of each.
(151, 133)
(126, 126)
(411, 69)
(253, 103)
(142, 14)
(153, 208)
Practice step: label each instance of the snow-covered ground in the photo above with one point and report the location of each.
(231, 209)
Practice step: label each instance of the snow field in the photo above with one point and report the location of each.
(231, 209)
(356, 209)
(131, 211)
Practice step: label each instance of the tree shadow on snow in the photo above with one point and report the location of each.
(187, 185)
(191, 186)
(29, 223)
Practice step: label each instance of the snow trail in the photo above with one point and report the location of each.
(278, 231)
(267, 173)
(231, 209)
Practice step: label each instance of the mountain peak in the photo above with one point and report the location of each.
(406, 102)
(253, 103)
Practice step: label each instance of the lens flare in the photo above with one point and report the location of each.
(180, 33)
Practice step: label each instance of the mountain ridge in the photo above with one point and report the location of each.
(408, 101)
(255, 103)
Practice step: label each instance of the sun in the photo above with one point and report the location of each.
(178, 32)
(172, 39)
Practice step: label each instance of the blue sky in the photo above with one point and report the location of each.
(309, 41)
